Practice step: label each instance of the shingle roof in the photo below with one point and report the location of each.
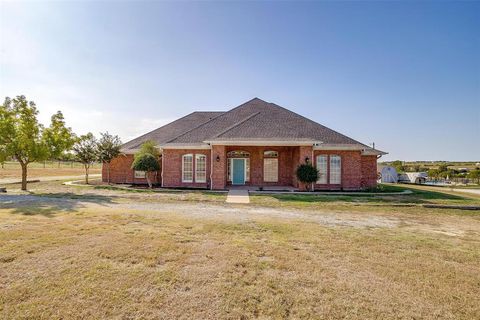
(261, 120)
(255, 120)
(173, 129)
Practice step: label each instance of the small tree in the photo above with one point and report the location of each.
(86, 152)
(108, 149)
(23, 138)
(307, 174)
(58, 137)
(146, 162)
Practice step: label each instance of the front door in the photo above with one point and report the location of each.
(238, 169)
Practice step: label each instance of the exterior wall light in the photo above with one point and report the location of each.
(307, 160)
(218, 158)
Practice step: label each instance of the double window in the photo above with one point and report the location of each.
(329, 169)
(270, 166)
(200, 168)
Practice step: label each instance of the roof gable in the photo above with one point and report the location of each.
(171, 130)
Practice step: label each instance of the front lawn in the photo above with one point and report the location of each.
(103, 262)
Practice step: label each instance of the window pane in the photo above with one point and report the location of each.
(270, 154)
(139, 174)
(270, 170)
(247, 169)
(335, 169)
(322, 169)
(187, 168)
(200, 168)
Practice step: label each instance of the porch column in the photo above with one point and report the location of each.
(299, 157)
(219, 168)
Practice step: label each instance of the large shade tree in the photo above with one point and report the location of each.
(24, 139)
(108, 149)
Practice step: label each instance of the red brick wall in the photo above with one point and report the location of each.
(219, 169)
(351, 174)
(121, 172)
(256, 164)
(172, 173)
(369, 171)
(357, 171)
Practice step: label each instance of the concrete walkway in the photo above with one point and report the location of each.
(238, 196)
(472, 191)
(50, 178)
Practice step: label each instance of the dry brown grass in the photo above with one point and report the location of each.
(104, 262)
(13, 170)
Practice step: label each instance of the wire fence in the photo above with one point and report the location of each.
(50, 164)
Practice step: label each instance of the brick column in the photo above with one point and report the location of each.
(299, 156)
(219, 169)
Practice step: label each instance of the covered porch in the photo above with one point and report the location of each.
(258, 167)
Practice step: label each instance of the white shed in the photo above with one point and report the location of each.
(388, 175)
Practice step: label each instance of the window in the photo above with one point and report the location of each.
(187, 168)
(270, 154)
(322, 169)
(335, 169)
(200, 168)
(270, 166)
(139, 174)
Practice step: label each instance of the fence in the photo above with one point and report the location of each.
(51, 164)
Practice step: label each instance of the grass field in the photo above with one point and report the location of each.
(12, 169)
(79, 252)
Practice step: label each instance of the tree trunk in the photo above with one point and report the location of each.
(148, 180)
(108, 172)
(24, 175)
(86, 174)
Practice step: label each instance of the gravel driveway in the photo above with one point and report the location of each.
(201, 210)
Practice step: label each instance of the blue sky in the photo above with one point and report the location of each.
(405, 75)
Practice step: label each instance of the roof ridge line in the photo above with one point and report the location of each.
(237, 124)
(201, 124)
(224, 113)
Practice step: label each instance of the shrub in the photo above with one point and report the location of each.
(146, 162)
(307, 173)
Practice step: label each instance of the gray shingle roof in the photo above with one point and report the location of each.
(173, 129)
(255, 120)
(262, 121)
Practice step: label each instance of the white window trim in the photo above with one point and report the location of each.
(183, 167)
(264, 172)
(138, 174)
(325, 175)
(330, 169)
(198, 156)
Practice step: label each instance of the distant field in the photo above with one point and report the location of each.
(12, 169)
(436, 164)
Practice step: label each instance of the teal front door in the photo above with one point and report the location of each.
(238, 170)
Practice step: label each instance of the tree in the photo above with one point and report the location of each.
(86, 152)
(23, 138)
(398, 165)
(307, 174)
(58, 137)
(108, 149)
(149, 146)
(146, 162)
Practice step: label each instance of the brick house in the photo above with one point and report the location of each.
(258, 144)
